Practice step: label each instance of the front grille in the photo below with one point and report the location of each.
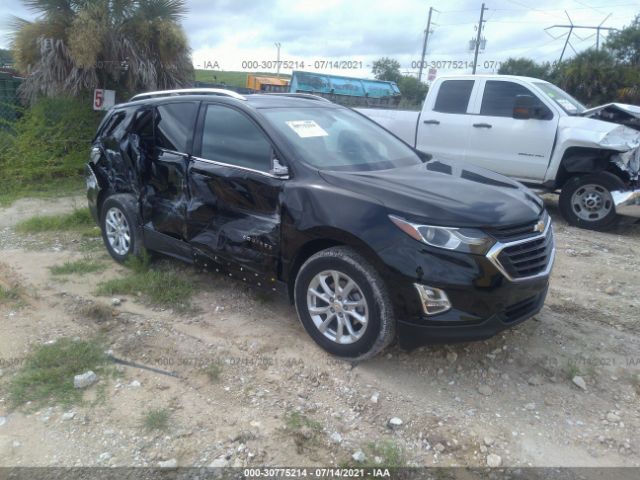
(521, 309)
(527, 259)
(513, 233)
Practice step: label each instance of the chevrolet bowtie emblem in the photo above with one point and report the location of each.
(539, 227)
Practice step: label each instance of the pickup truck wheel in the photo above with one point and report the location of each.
(586, 201)
(120, 227)
(343, 304)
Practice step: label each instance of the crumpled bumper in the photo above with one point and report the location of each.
(627, 202)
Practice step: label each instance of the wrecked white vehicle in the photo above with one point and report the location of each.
(535, 132)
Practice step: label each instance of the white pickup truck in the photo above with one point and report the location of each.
(533, 131)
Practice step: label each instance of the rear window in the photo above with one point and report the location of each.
(453, 96)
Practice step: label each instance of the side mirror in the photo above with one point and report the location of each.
(279, 170)
(523, 107)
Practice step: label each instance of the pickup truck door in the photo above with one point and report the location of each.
(234, 213)
(514, 147)
(444, 124)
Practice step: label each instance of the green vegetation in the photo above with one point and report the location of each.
(213, 371)
(11, 296)
(304, 430)
(157, 419)
(45, 150)
(48, 371)
(79, 220)
(78, 267)
(391, 454)
(163, 285)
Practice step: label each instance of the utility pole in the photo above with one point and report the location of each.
(480, 25)
(424, 45)
(278, 44)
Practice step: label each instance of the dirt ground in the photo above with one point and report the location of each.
(280, 400)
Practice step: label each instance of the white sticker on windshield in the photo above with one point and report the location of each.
(307, 128)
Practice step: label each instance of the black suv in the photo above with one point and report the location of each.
(369, 237)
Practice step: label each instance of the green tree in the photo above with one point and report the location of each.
(77, 45)
(525, 67)
(625, 44)
(412, 90)
(6, 58)
(592, 76)
(386, 69)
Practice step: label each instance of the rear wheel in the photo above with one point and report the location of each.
(343, 304)
(586, 201)
(120, 227)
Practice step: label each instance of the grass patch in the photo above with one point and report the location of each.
(44, 189)
(163, 288)
(390, 452)
(79, 220)
(303, 429)
(47, 373)
(213, 371)
(157, 419)
(9, 294)
(78, 267)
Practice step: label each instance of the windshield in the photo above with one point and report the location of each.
(340, 139)
(562, 98)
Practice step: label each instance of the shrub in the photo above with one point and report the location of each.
(48, 144)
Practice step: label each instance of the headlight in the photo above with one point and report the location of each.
(469, 240)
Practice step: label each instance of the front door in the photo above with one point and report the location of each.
(514, 147)
(234, 213)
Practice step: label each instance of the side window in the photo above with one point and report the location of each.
(231, 137)
(500, 96)
(174, 125)
(113, 123)
(453, 96)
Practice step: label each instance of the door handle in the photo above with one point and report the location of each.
(482, 125)
(431, 122)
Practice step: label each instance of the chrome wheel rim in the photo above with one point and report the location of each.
(337, 307)
(118, 231)
(591, 202)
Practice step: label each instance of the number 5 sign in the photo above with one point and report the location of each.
(103, 99)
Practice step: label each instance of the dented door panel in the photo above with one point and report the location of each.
(234, 215)
(165, 194)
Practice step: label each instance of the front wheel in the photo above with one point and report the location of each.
(586, 201)
(343, 304)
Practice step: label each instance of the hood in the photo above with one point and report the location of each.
(589, 132)
(443, 193)
(620, 113)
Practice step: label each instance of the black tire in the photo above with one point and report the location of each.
(606, 183)
(128, 205)
(380, 326)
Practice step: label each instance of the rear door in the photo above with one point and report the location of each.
(165, 195)
(443, 127)
(514, 147)
(234, 214)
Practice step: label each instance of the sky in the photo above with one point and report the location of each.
(351, 34)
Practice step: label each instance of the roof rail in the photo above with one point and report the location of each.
(189, 91)
(308, 96)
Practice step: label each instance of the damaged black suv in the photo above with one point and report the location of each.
(369, 237)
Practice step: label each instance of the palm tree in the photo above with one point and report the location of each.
(77, 45)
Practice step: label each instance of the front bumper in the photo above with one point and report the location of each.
(485, 297)
(627, 202)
